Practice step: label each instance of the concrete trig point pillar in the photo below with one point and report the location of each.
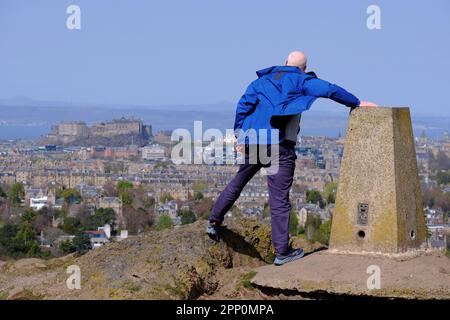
(378, 202)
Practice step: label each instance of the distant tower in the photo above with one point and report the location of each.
(423, 139)
(446, 137)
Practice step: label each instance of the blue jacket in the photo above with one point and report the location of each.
(280, 92)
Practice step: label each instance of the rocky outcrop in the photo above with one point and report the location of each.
(180, 263)
(183, 263)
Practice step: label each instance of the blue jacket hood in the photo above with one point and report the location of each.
(274, 69)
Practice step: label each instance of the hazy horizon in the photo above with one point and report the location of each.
(175, 52)
(35, 118)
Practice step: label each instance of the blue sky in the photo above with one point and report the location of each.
(161, 52)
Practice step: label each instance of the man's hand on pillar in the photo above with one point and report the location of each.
(367, 104)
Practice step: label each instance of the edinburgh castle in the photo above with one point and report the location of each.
(124, 131)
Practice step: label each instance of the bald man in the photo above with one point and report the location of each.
(275, 101)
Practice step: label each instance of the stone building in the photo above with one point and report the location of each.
(154, 152)
(114, 203)
(117, 127)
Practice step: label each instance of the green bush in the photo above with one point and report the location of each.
(67, 246)
(314, 196)
(246, 280)
(127, 198)
(71, 225)
(301, 230)
(322, 234)
(293, 223)
(28, 216)
(198, 196)
(164, 222)
(71, 196)
(16, 193)
(101, 217)
(82, 243)
(19, 240)
(443, 177)
(329, 194)
(2, 193)
(124, 185)
(188, 217)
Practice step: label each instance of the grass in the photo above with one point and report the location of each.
(132, 286)
(447, 253)
(246, 280)
(28, 294)
(174, 290)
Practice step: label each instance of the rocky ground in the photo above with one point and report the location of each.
(181, 263)
(325, 274)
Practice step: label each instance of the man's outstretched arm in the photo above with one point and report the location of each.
(323, 89)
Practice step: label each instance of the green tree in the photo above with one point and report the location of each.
(71, 225)
(2, 193)
(35, 251)
(198, 196)
(187, 217)
(26, 240)
(164, 222)
(313, 196)
(301, 229)
(82, 243)
(60, 213)
(67, 246)
(16, 193)
(71, 195)
(322, 234)
(127, 198)
(443, 177)
(7, 238)
(124, 185)
(293, 223)
(101, 217)
(28, 216)
(329, 194)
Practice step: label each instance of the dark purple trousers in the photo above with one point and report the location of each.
(279, 186)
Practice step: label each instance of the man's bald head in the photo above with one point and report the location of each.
(296, 59)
